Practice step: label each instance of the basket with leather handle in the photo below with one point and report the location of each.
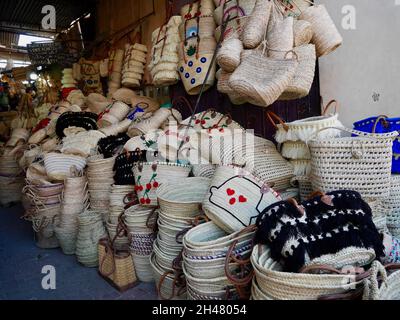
(116, 266)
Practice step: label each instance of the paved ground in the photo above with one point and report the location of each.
(21, 263)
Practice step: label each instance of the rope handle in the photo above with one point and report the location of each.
(331, 103)
(384, 122)
(240, 283)
(174, 284)
(272, 115)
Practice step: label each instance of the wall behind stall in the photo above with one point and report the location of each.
(363, 73)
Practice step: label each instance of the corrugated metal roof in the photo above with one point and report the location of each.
(8, 39)
(28, 13)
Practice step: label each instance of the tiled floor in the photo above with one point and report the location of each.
(21, 263)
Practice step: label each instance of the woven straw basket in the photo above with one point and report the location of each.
(305, 186)
(326, 37)
(262, 88)
(361, 163)
(300, 85)
(58, 166)
(183, 198)
(149, 176)
(116, 266)
(302, 130)
(235, 198)
(279, 285)
(295, 150)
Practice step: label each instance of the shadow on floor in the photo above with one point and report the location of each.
(21, 263)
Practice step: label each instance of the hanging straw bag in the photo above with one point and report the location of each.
(235, 198)
(232, 9)
(301, 84)
(326, 36)
(116, 266)
(362, 163)
(262, 88)
(302, 130)
(257, 24)
(229, 55)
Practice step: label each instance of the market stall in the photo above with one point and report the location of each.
(131, 162)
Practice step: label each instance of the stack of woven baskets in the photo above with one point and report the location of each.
(45, 201)
(100, 179)
(115, 61)
(90, 231)
(11, 179)
(68, 81)
(75, 199)
(134, 62)
(163, 66)
(179, 210)
(392, 205)
(141, 222)
(210, 271)
(118, 199)
(294, 137)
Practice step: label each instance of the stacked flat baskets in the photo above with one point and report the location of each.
(90, 231)
(141, 222)
(392, 205)
(74, 200)
(180, 209)
(362, 163)
(11, 180)
(46, 203)
(271, 283)
(100, 179)
(206, 259)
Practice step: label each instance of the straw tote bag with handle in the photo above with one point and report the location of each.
(116, 266)
(362, 163)
(301, 84)
(335, 229)
(263, 88)
(302, 130)
(257, 24)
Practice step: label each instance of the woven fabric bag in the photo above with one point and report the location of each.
(304, 185)
(232, 9)
(326, 36)
(235, 198)
(335, 229)
(257, 24)
(361, 163)
(301, 84)
(262, 88)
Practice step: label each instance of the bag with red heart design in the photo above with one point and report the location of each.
(236, 198)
